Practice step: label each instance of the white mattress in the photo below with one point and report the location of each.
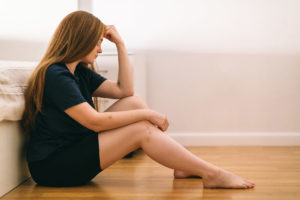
(13, 168)
(13, 80)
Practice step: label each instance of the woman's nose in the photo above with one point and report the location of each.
(99, 50)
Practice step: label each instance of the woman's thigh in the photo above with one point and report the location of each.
(114, 144)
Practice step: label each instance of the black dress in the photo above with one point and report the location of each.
(62, 152)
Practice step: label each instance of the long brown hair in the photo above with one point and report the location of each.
(75, 37)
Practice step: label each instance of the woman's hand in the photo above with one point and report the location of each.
(112, 34)
(158, 120)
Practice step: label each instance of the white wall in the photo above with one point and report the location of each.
(222, 92)
(216, 65)
(27, 26)
(32, 20)
(205, 25)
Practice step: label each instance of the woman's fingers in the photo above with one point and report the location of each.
(108, 29)
(165, 123)
(112, 34)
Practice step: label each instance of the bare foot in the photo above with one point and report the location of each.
(226, 179)
(183, 174)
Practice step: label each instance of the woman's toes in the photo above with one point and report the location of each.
(227, 179)
(243, 186)
(250, 183)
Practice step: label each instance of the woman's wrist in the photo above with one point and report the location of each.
(147, 114)
(120, 44)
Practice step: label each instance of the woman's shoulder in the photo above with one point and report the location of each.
(57, 67)
(82, 70)
(57, 70)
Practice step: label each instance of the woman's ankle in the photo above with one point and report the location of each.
(212, 173)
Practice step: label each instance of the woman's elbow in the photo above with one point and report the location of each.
(128, 93)
(94, 124)
(95, 128)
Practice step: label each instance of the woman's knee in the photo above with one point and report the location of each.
(136, 102)
(135, 131)
(147, 130)
(143, 126)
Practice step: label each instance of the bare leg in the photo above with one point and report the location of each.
(166, 151)
(118, 142)
(135, 102)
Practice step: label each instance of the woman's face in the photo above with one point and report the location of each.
(90, 58)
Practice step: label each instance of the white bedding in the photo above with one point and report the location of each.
(13, 168)
(13, 80)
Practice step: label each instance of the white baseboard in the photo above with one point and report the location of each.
(238, 139)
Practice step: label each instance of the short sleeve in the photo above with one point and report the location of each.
(95, 80)
(61, 87)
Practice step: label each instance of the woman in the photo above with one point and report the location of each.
(70, 142)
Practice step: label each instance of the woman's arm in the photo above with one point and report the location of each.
(87, 116)
(124, 87)
(125, 75)
(111, 120)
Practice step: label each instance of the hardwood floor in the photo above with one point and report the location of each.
(275, 170)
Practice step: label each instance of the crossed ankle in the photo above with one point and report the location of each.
(211, 174)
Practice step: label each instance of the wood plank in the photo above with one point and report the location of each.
(275, 170)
